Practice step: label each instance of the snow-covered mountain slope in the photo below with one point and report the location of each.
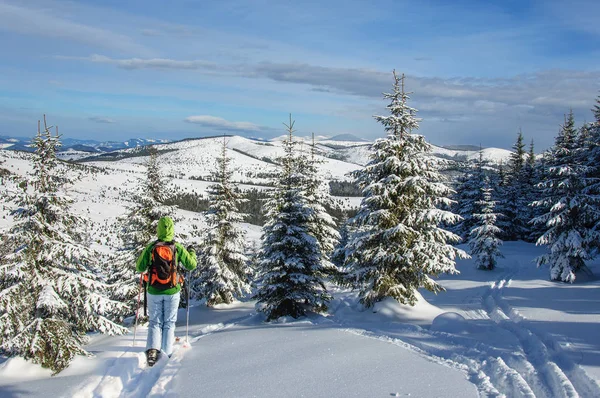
(89, 146)
(72, 155)
(253, 162)
(492, 155)
(344, 147)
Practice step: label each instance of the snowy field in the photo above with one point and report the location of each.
(508, 332)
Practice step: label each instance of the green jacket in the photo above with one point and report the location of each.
(165, 232)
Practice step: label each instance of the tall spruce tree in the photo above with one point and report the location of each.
(321, 225)
(137, 228)
(591, 157)
(540, 173)
(398, 245)
(514, 194)
(51, 294)
(571, 209)
(483, 237)
(290, 258)
(339, 253)
(224, 274)
(468, 195)
(531, 179)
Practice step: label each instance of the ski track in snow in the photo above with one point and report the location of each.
(128, 375)
(552, 372)
(538, 367)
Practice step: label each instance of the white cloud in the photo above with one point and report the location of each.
(478, 106)
(150, 32)
(566, 87)
(221, 124)
(152, 63)
(100, 119)
(41, 22)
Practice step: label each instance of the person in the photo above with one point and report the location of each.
(163, 289)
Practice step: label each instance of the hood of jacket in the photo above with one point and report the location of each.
(165, 230)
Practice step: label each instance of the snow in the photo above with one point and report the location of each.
(492, 155)
(507, 332)
(504, 332)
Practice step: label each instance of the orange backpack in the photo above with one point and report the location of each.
(163, 267)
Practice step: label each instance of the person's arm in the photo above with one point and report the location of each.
(187, 259)
(144, 259)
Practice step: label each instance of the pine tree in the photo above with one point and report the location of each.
(321, 225)
(590, 158)
(531, 176)
(137, 229)
(51, 294)
(592, 134)
(570, 209)
(339, 253)
(398, 246)
(499, 181)
(540, 174)
(596, 110)
(514, 198)
(224, 272)
(290, 258)
(467, 197)
(483, 238)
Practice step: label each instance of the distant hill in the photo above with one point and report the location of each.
(72, 144)
(342, 147)
(347, 137)
(462, 147)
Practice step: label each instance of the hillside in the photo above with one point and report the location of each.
(508, 332)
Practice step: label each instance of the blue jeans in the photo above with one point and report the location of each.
(162, 314)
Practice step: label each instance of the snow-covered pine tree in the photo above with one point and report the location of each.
(321, 225)
(570, 209)
(224, 274)
(514, 194)
(483, 238)
(540, 171)
(290, 259)
(499, 181)
(467, 195)
(339, 253)
(137, 229)
(531, 178)
(590, 157)
(398, 245)
(50, 292)
(592, 144)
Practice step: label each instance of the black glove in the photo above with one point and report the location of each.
(191, 249)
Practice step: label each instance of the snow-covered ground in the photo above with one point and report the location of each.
(508, 332)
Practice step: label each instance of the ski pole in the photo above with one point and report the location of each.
(137, 311)
(187, 307)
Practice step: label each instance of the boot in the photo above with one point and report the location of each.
(151, 356)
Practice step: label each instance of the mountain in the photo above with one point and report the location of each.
(347, 137)
(344, 147)
(462, 147)
(72, 144)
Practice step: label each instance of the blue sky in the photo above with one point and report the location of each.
(479, 70)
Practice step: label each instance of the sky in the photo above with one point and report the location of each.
(479, 72)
